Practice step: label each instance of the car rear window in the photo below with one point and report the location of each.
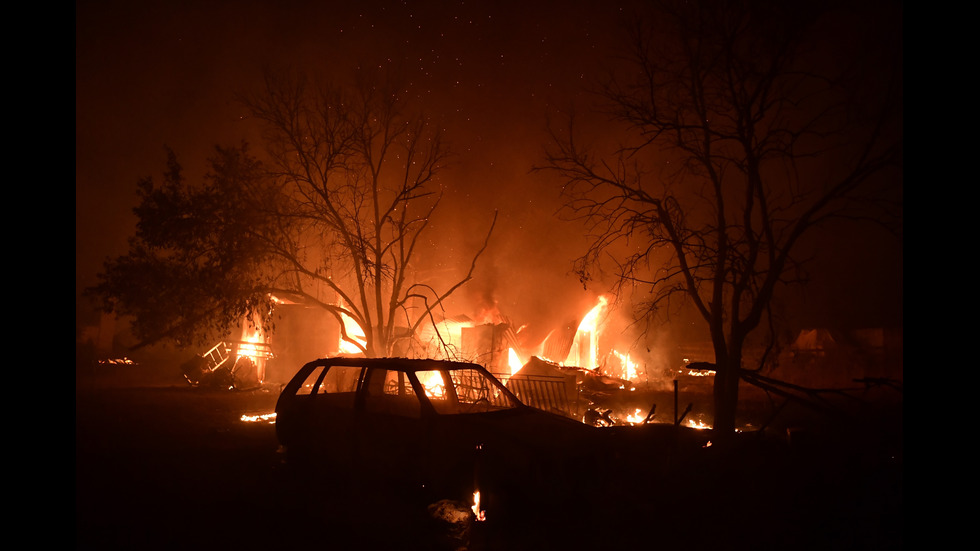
(390, 392)
(453, 391)
(338, 379)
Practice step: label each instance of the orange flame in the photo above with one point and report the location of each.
(254, 346)
(355, 332)
(432, 382)
(629, 366)
(585, 347)
(481, 515)
(698, 424)
(635, 418)
(263, 417)
(250, 347)
(514, 362)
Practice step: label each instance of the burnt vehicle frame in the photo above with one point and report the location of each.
(449, 427)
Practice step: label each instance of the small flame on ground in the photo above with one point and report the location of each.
(481, 515)
(267, 417)
(697, 424)
(117, 361)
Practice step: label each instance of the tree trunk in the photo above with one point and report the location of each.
(726, 395)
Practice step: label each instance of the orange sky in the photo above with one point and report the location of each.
(155, 74)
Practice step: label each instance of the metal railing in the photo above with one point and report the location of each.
(217, 356)
(548, 393)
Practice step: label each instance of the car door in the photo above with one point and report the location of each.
(389, 424)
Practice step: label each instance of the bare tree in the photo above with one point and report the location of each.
(740, 131)
(357, 172)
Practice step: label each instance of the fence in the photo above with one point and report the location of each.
(548, 393)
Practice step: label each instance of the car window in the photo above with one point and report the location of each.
(434, 384)
(390, 392)
(396, 383)
(462, 391)
(310, 383)
(473, 386)
(337, 379)
(340, 378)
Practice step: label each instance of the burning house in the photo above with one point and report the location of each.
(559, 370)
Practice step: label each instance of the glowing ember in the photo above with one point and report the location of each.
(117, 361)
(266, 417)
(480, 514)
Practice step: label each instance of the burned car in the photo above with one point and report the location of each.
(446, 426)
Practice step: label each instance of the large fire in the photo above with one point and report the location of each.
(449, 337)
(508, 354)
(446, 340)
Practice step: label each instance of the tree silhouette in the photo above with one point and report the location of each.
(356, 168)
(741, 126)
(195, 266)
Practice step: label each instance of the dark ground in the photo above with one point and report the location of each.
(162, 465)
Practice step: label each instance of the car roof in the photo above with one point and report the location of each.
(396, 364)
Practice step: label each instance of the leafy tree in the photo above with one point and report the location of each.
(333, 217)
(195, 265)
(743, 126)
